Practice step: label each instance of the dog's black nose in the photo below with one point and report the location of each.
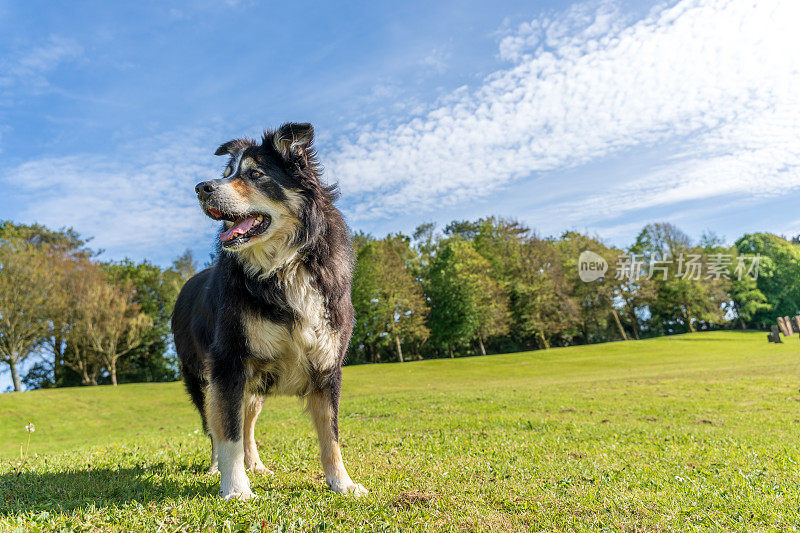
(205, 188)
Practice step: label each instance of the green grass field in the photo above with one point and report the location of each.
(689, 432)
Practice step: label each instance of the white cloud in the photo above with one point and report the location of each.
(28, 69)
(719, 75)
(757, 155)
(132, 202)
(581, 23)
(437, 59)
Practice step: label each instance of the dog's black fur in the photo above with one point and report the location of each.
(209, 317)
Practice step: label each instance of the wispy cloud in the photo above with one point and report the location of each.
(132, 202)
(437, 59)
(716, 74)
(29, 68)
(577, 26)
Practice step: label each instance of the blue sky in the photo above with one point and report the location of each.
(598, 116)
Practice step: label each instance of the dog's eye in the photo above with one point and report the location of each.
(255, 174)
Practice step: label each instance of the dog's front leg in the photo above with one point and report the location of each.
(323, 405)
(252, 460)
(224, 405)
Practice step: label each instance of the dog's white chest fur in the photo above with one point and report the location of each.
(287, 357)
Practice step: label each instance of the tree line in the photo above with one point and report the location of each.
(494, 285)
(474, 287)
(88, 321)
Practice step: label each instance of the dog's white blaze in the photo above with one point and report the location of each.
(311, 344)
(236, 163)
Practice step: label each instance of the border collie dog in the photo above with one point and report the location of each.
(273, 314)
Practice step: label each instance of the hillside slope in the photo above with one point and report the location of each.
(699, 429)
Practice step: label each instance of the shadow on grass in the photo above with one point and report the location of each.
(101, 487)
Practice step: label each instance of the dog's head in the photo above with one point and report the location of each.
(261, 191)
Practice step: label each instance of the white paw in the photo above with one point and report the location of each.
(245, 495)
(347, 487)
(259, 468)
(212, 469)
(357, 489)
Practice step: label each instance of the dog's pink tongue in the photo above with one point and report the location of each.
(239, 228)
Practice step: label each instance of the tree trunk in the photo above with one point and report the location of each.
(634, 323)
(688, 314)
(112, 369)
(399, 348)
(15, 375)
(480, 343)
(450, 347)
(741, 323)
(544, 341)
(619, 324)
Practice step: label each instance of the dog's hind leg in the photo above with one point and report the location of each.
(323, 405)
(224, 409)
(252, 461)
(196, 386)
(214, 468)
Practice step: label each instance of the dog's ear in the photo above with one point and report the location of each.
(293, 140)
(228, 148)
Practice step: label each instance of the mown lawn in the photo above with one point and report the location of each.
(690, 432)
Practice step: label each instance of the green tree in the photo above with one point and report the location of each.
(64, 241)
(25, 286)
(541, 303)
(500, 242)
(114, 325)
(778, 276)
(360, 240)
(388, 299)
(685, 295)
(67, 251)
(464, 229)
(69, 310)
(184, 266)
(636, 295)
(466, 302)
(453, 317)
(598, 317)
(531, 273)
(154, 290)
(747, 301)
(366, 287)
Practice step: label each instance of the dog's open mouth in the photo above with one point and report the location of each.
(243, 228)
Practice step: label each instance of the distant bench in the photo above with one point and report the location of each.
(787, 326)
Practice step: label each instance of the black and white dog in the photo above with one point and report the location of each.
(273, 315)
